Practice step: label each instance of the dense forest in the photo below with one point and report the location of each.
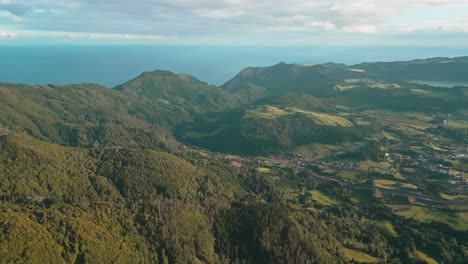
(122, 205)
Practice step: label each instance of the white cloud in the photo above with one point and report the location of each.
(205, 18)
(7, 35)
(33, 34)
(217, 13)
(355, 16)
(364, 28)
(450, 24)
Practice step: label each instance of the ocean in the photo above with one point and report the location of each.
(110, 65)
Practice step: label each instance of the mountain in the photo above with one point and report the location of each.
(263, 128)
(181, 90)
(326, 79)
(85, 115)
(122, 205)
(138, 113)
(145, 110)
(98, 205)
(317, 80)
(433, 69)
(279, 124)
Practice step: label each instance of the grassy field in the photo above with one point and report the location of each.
(316, 151)
(386, 227)
(360, 257)
(362, 122)
(409, 122)
(385, 184)
(385, 86)
(432, 146)
(452, 197)
(409, 131)
(421, 256)
(398, 176)
(380, 167)
(455, 163)
(348, 84)
(322, 199)
(324, 119)
(389, 136)
(456, 220)
(264, 170)
(390, 185)
(349, 175)
(407, 185)
(457, 125)
(268, 111)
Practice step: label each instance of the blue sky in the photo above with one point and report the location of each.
(247, 22)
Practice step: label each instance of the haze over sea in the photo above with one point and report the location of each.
(111, 65)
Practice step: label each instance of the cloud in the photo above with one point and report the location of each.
(93, 36)
(229, 18)
(448, 24)
(217, 13)
(7, 35)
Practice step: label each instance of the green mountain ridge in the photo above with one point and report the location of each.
(117, 205)
(83, 115)
(321, 80)
(182, 90)
(123, 205)
(286, 78)
(433, 69)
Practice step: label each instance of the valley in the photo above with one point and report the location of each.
(402, 176)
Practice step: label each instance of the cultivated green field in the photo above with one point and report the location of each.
(386, 227)
(322, 199)
(456, 220)
(268, 111)
(380, 167)
(452, 197)
(457, 125)
(349, 175)
(264, 170)
(385, 184)
(316, 151)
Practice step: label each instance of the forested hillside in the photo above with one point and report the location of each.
(122, 205)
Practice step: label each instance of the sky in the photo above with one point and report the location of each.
(236, 22)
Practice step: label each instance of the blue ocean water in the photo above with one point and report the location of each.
(114, 64)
